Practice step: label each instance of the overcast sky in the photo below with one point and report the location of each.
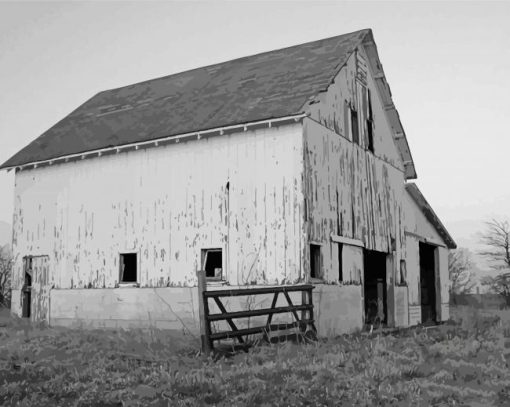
(447, 64)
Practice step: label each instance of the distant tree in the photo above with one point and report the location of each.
(6, 262)
(462, 276)
(497, 240)
(499, 284)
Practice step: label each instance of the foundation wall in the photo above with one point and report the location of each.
(337, 309)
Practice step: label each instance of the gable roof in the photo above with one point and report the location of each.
(269, 85)
(429, 214)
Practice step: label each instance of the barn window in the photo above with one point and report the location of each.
(212, 263)
(370, 128)
(128, 268)
(354, 126)
(347, 113)
(315, 261)
(340, 262)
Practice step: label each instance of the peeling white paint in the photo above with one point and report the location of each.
(288, 186)
(168, 203)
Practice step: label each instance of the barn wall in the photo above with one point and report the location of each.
(417, 224)
(163, 308)
(338, 309)
(413, 270)
(401, 306)
(349, 190)
(353, 194)
(40, 288)
(419, 229)
(176, 308)
(358, 194)
(352, 263)
(443, 285)
(166, 204)
(330, 108)
(349, 193)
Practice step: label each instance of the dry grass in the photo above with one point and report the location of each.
(455, 364)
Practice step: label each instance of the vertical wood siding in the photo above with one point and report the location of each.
(350, 191)
(346, 90)
(419, 229)
(166, 204)
(288, 186)
(40, 289)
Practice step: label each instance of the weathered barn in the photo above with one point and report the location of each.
(283, 167)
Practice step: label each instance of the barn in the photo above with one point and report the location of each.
(282, 168)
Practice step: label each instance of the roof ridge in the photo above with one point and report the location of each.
(340, 66)
(217, 95)
(236, 59)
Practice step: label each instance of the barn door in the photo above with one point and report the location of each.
(36, 288)
(428, 283)
(375, 288)
(26, 291)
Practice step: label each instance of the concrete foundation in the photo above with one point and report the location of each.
(337, 309)
(401, 306)
(163, 308)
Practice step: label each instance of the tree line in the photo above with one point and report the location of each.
(496, 241)
(5, 276)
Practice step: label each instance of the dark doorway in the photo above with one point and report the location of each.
(375, 287)
(27, 287)
(315, 261)
(427, 283)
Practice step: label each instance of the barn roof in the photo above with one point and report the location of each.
(429, 214)
(269, 85)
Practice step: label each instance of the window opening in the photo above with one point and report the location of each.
(340, 262)
(212, 263)
(128, 268)
(354, 126)
(370, 125)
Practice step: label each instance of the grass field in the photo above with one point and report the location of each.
(462, 363)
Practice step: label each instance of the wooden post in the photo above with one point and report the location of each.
(203, 312)
(310, 314)
(304, 313)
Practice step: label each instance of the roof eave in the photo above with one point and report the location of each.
(429, 213)
(276, 121)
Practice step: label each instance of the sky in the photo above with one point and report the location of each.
(447, 64)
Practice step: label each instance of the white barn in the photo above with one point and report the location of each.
(280, 168)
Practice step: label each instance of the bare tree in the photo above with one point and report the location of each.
(499, 284)
(497, 239)
(5, 276)
(462, 276)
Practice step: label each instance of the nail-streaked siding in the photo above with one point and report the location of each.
(166, 204)
(288, 186)
(358, 194)
(350, 191)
